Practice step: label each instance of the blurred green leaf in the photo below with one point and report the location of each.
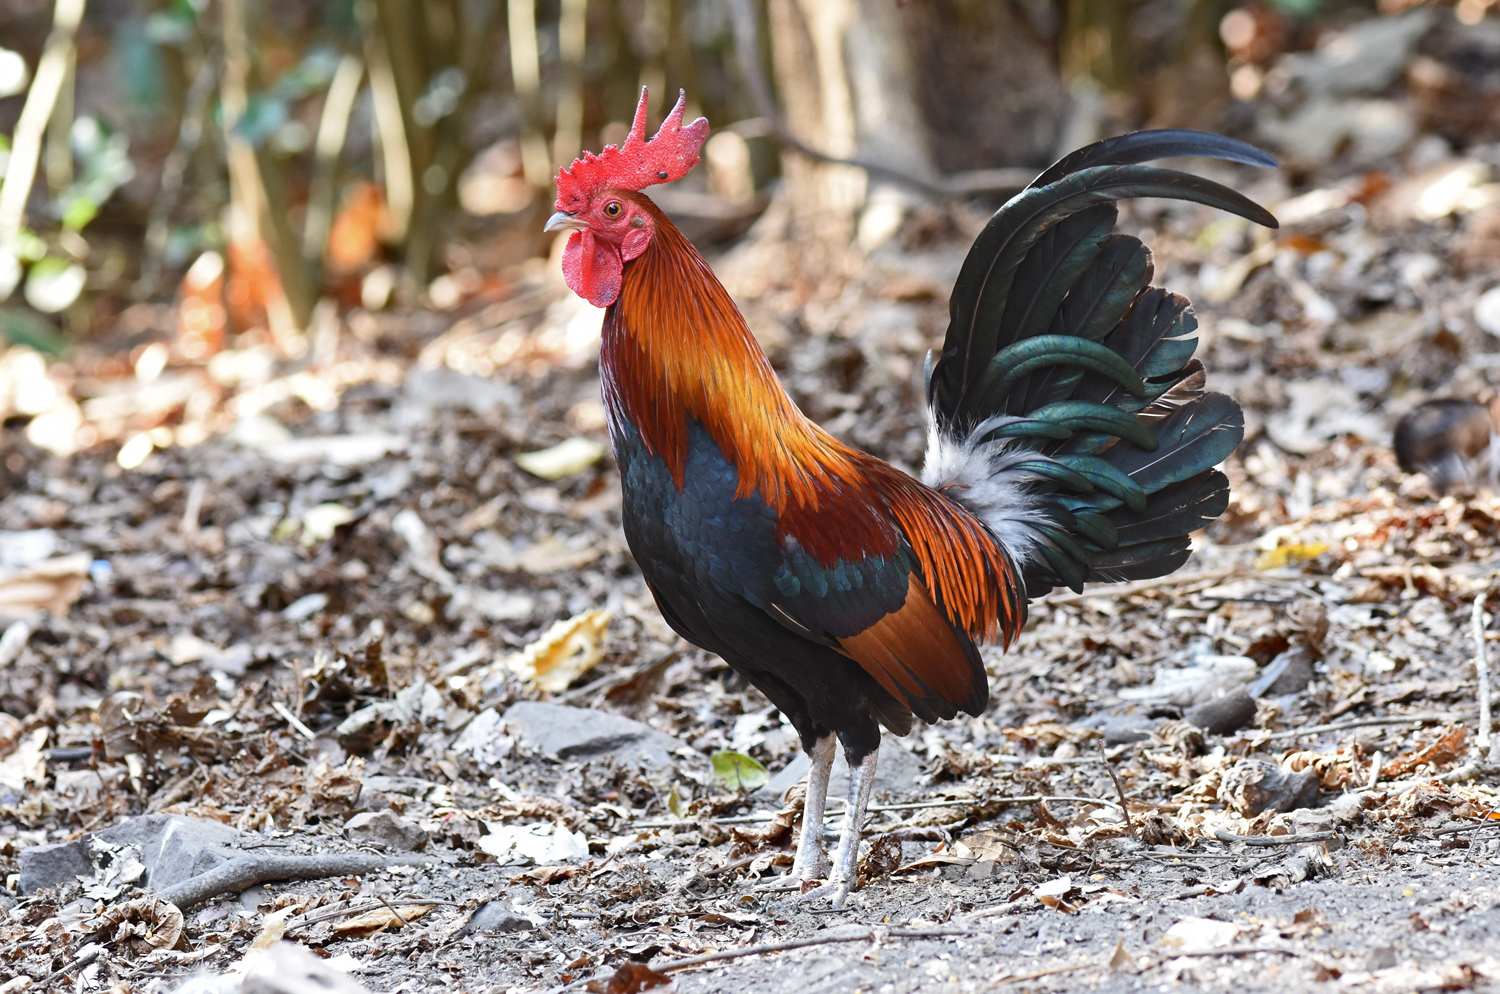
(737, 771)
(171, 27)
(139, 70)
(1299, 8)
(28, 247)
(20, 327)
(308, 76)
(104, 155)
(263, 115)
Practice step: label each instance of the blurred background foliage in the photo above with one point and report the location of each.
(217, 173)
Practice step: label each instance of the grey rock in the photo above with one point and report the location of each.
(385, 828)
(895, 774)
(561, 732)
(496, 916)
(1124, 724)
(173, 849)
(1129, 728)
(1223, 715)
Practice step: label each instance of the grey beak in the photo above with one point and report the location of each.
(563, 220)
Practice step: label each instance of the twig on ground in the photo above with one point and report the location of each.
(859, 935)
(1004, 908)
(910, 806)
(293, 720)
(87, 955)
(247, 871)
(180, 789)
(1274, 840)
(1489, 822)
(324, 914)
(1124, 808)
(1227, 951)
(1482, 671)
(392, 910)
(1144, 586)
(1339, 726)
(1016, 978)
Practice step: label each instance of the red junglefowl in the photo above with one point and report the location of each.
(1071, 441)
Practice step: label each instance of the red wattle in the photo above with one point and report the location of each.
(592, 268)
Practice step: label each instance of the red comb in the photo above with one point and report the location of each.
(638, 162)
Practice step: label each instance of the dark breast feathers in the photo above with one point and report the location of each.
(727, 581)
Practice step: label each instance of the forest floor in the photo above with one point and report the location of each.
(320, 627)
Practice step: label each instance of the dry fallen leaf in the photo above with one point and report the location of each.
(1122, 961)
(565, 652)
(273, 928)
(551, 555)
(563, 459)
(1451, 745)
(145, 924)
(51, 585)
(1290, 555)
(381, 919)
(1199, 934)
(629, 979)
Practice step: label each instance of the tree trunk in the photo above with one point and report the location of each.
(807, 50)
(939, 86)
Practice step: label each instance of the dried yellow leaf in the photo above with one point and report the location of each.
(1286, 555)
(381, 919)
(565, 652)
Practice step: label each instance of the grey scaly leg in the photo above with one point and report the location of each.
(811, 862)
(845, 872)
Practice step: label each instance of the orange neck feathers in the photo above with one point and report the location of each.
(676, 347)
(676, 350)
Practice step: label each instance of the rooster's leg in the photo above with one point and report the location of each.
(845, 872)
(812, 861)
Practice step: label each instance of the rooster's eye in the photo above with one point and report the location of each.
(612, 209)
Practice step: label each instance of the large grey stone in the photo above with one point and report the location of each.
(561, 732)
(385, 828)
(173, 849)
(895, 774)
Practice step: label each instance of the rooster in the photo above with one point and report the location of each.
(1071, 440)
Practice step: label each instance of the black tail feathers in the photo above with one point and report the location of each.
(1057, 343)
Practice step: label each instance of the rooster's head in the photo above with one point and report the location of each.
(609, 227)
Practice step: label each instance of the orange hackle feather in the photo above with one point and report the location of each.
(677, 348)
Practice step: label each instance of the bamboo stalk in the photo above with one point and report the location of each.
(333, 129)
(189, 134)
(57, 161)
(400, 188)
(257, 201)
(526, 77)
(41, 99)
(571, 38)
